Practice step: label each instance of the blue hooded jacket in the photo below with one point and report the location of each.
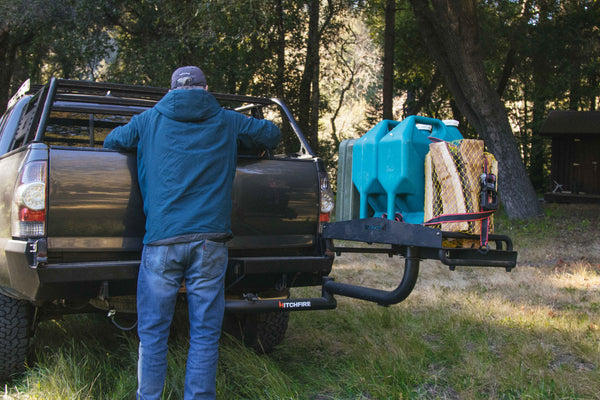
(186, 159)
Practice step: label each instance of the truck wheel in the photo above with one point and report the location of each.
(15, 331)
(261, 332)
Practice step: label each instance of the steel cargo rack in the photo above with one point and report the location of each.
(414, 243)
(394, 238)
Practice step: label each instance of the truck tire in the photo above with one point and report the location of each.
(15, 332)
(261, 332)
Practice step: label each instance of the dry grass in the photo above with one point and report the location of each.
(566, 233)
(473, 333)
(531, 333)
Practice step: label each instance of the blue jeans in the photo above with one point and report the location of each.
(202, 265)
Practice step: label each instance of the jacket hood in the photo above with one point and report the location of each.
(188, 105)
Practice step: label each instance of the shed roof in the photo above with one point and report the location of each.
(571, 122)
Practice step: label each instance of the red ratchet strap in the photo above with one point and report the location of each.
(434, 139)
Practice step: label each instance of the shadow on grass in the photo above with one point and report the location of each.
(445, 349)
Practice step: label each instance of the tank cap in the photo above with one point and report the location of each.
(423, 127)
(451, 122)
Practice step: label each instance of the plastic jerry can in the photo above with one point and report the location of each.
(347, 201)
(452, 132)
(401, 170)
(365, 159)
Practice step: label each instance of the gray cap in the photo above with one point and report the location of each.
(187, 76)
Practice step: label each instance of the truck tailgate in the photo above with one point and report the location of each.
(94, 205)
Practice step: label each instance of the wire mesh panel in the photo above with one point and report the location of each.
(453, 173)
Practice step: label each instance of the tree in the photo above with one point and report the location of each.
(323, 27)
(389, 37)
(18, 23)
(63, 38)
(308, 94)
(78, 39)
(450, 31)
(554, 53)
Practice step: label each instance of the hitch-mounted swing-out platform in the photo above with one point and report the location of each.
(411, 241)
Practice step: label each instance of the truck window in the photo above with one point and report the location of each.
(4, 139)
(290, 144)
(27, 122)
(12, 126)
(76, 129)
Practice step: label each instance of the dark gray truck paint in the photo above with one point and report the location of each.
(95, 222)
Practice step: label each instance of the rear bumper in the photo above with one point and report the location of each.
(34, 279)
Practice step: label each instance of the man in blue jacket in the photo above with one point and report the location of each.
(186, 158)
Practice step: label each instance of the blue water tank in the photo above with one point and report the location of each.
(401, 165)
(365, 158)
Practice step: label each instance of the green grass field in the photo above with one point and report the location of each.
(473, 333)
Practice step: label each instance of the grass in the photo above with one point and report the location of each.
(533, 333)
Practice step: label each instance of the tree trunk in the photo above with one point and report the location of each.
(450, 31)
(425, 97)
(306, 98)
(289, 140)
(537, 153)
(517, 30)
(389, 37)
(7, 59)
(280, 43)
(315, 100)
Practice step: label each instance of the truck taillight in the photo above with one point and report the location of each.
(29, 201)
(327, 199)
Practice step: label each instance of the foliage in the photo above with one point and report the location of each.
(561, 37)
(66, 38)
(227, 39)
(540, 55)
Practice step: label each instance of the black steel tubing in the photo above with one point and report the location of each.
(257, 306)
(382, 297)
(46, 110)
(326, 302)
(499, 240)
(506, 260)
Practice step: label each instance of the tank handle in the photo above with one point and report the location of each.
(439, 129)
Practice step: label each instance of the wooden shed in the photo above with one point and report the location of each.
(575, 173)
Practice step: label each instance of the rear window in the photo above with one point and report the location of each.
(80, 129)
(5, 139)
(15, 126)
(87, 125)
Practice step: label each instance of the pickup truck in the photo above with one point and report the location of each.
(71, 219)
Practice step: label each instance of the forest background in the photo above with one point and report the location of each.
(498, 67)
